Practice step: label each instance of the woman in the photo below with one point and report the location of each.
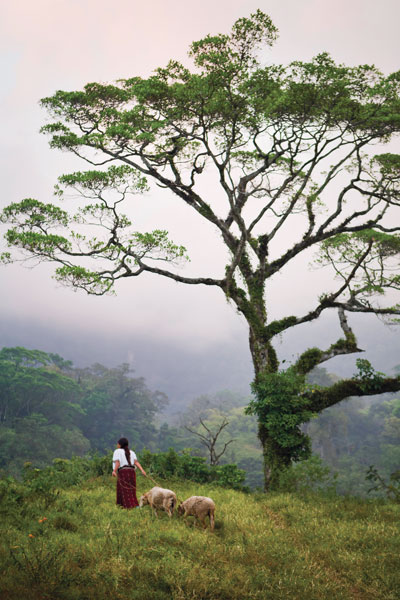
(124, 463)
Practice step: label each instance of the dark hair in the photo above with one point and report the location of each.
(123, 442)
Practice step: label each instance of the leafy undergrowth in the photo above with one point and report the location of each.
(78, 545)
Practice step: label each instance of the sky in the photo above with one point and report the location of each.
(166, 331)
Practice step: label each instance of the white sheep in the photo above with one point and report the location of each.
(200, 507)
(159, 499)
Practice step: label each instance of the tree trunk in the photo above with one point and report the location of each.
(275, 460)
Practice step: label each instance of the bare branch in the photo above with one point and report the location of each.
(210, 440)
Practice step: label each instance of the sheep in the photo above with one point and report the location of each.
(159, 499)
(199, 507)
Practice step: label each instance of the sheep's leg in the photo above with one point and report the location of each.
(171, 508)
(212, 520)
(188, 523)
(199, 520)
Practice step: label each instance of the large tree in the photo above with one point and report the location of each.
(291, 156)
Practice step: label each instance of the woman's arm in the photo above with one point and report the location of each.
(137, 463)
(116, 467)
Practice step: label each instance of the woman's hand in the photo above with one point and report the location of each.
(137, 463)
(116, 467)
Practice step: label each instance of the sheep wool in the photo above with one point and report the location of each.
(159, 499)
(200, 507)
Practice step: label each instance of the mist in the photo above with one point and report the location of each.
(185, 369)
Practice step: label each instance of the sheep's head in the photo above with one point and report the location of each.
(143, 500)
(180, 509)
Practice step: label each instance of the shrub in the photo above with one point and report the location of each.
(100, 464)
(45, 484)
(194, 468)
(230, 476)
(310, 474)
(11, 496)
(391, 488)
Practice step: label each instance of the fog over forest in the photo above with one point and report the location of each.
(185, 370)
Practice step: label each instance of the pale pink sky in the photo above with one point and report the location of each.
(62, 44)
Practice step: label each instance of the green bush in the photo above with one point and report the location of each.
(11, 497)
(194, 468)
(310, 474)
(390, 487)
(45, 484)
(99, 464)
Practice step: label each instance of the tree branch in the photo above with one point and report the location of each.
(312, 357)
(327, 301)
(325, 397)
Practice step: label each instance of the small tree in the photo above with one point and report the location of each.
(289, 151)
(209, 439)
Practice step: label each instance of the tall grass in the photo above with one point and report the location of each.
(82, 546)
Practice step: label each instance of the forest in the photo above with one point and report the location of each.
(50, 409)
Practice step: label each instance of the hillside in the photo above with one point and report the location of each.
(74, 543)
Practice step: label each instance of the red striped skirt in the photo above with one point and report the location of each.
(126, 488)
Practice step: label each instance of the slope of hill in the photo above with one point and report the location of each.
(74, 543)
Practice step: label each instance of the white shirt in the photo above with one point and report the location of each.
(119, 454)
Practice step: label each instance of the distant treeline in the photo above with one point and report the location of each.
(50, 409)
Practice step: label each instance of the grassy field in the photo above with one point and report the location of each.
(81, 546)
